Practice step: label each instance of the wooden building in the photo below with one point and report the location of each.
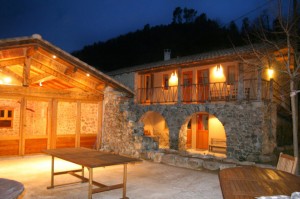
(48, 98)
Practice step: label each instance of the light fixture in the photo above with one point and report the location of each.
(87, 75)
(54, 56)
(41, 83)
(173, 81)
(7, 80)
(270, 72)
(218, 70)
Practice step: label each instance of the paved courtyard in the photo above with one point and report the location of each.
(146, 180)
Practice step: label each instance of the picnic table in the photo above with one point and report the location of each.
(90, 159)
(247, 182)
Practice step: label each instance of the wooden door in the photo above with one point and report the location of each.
(189, 135)
(203, 85)
(187, 86)
(202, 131)
(148, 85)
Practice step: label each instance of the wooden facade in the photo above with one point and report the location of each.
(49, 99)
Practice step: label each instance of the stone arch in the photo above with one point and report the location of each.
(156, 127)
(190, 137)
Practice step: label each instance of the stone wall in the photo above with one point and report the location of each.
(89, 118)
(15, 105)
(249, 128)
(126, 79)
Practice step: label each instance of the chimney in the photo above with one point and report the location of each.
(167, 54)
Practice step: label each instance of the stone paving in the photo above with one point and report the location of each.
(146, 180)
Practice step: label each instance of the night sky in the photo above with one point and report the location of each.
(72, 24)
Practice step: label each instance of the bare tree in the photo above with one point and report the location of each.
(279, 49)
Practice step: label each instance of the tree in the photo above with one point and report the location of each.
(177, 16)
(282, 53)
(189, 15)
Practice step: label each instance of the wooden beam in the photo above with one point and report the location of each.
(39, 78)
(40, 92)
(27, 65)
(63, 77)
(12, 74)
(11, 62)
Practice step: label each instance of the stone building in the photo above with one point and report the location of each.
(50, 99)
(218, 101)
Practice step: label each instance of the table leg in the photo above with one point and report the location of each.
(124, 182)
(52, 173)
(82, 173)
(90, 183)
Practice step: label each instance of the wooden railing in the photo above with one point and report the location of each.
(201, 93)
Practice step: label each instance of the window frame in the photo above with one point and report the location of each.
(6, 117)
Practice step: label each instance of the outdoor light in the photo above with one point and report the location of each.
(41, 83)
(87, 75)
(173, 81)
(219, 71)
(54, 56)
(7, 80)
(270, 72)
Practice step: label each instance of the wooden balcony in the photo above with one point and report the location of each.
(250, 89)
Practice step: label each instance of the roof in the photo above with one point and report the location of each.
(213, 55)
(64, 59)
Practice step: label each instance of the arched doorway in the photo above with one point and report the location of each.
(199, 130)
(155, 126)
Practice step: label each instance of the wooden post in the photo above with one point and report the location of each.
(78, 125)
(241, 94)
(100, 120)
(259, 82)
(124, 181)
(271, 90)
(54, 123)
(22, 123)
(179, 93)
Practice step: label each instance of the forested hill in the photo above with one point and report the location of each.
(186, 35)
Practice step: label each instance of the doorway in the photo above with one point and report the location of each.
(202, 131)
(187, 86)
(203, 85)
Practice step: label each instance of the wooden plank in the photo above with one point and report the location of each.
(88, 141)
(35, 145)
(65, 142)
(48, 93)
(9, 147)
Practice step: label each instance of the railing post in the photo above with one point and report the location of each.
(259, 82)
(179, 94)
(271, 90)
(241, 82)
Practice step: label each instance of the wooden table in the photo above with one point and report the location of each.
(90, 159)
(251, 181)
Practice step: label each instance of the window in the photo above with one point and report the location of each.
(165, 81)
(231, 75)
(6, 117)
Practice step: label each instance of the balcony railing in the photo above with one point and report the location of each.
(201, 93)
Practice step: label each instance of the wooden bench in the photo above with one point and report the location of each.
(217, 143)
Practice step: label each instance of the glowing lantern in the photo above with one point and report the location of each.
(173, 81)
(218, 71)
(270, 73)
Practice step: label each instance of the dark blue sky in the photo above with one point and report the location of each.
(71, 24)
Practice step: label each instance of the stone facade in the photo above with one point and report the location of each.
(13, 104)
(250, 131)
